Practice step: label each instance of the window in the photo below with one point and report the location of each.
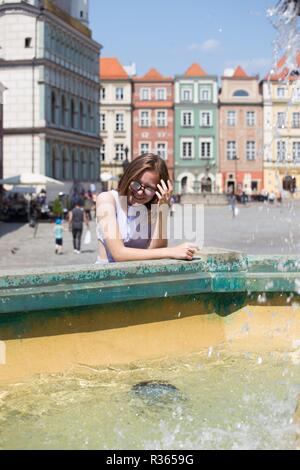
(281, 120)
(119, 122)
(206, 149)
(281, 151)
(81, 116)
(53, 108)
(144, 148)
(28, 42)
(205, 119)
(296, 151)
(296, 120)
(296, 94)
(205, 94)
(103, 93)
(280, 92)
(186, 95)
(63, 111)
(187, 149)
(161, 94)
(250, 150)
(65, 166)
(102, 152)
(145, 94)
(162, 150)
(231, 118)
(161, 119)
(119, 152)
(119, 94)
(73, 114)
(90, 118)
(231, 150)
(241, 93)
(102, 122)
(250, 118)
(145, 119)
(187, 119)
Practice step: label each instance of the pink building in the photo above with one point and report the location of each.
(241, 134)
(153, 116)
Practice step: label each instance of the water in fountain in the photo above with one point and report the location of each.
(285, 18)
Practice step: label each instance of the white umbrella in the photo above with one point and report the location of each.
(106, 177)
(29, 179)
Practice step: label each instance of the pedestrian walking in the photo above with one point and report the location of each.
(232, 203)
(58, 235)
(77, 218)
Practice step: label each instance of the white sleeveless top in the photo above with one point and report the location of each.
(134, 227)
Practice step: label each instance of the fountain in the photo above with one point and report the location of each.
(212, 343)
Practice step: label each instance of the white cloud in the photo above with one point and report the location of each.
(208, 45)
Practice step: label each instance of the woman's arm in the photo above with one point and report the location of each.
(106, 217)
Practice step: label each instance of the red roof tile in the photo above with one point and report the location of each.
(239, 73)
(111, 69)
(153, 76)
(195, 71)
(281, 72)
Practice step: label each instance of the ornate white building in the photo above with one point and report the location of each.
(1, 130)
(49, 64)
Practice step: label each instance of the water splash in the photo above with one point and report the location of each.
(284, 17)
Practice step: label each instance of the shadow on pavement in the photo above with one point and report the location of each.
(6, 227)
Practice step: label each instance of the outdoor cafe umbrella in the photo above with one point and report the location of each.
(105, 177)
(29, 179)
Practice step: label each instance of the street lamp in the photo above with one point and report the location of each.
(126, 163)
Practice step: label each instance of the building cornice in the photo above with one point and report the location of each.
(234, 103)
(44, 62)
(54, 133)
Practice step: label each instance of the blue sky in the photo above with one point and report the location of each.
(172, 34)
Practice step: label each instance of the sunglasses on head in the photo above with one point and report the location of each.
(136, 186)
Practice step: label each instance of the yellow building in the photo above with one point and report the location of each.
(281, 94)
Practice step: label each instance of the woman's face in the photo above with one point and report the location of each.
(148, 182)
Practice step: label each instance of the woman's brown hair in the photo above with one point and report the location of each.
(147, 162)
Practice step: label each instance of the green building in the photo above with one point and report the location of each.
(196, 132)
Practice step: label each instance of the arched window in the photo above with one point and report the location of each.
(65, 165)
(241, 93)
(55, 164)
(53, 108)
(75, 166)
(206, 185)
(184, 182)
(84, 166)
(73, 114)
(92, 174)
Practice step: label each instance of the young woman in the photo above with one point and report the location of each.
(131, 222)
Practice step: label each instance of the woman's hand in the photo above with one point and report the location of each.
(165, 192)
(184, 251)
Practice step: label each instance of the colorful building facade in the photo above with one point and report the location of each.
(153, 117)
(281, 94)
(241, 134)
(196, 132)
(115, 120)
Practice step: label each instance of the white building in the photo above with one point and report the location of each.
(115, 118)
(2, 88)
(49, 64)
